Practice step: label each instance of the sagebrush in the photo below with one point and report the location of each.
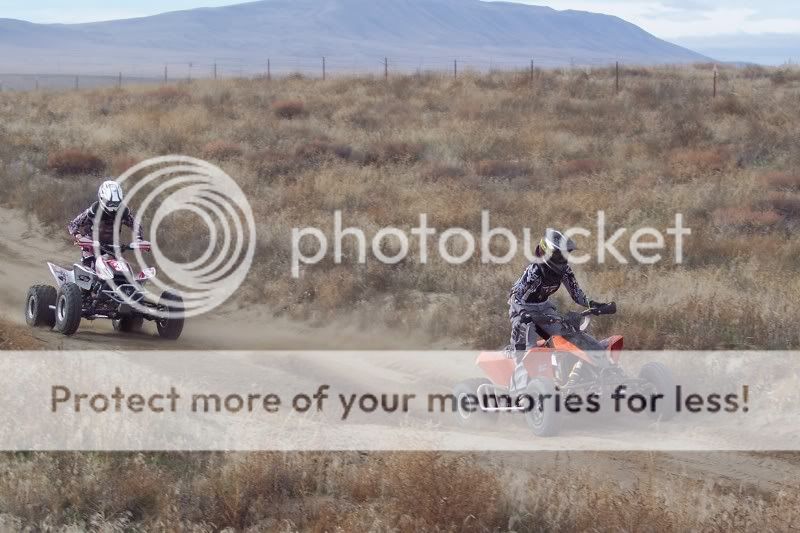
(544, 152)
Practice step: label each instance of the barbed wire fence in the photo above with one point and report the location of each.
(324, 67)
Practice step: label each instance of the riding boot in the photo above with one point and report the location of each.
(575, 376)
(519, 380)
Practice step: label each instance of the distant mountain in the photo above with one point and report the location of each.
(353, 34)
(764, 49)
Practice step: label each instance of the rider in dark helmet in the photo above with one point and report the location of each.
(530, 310)
(102, 214)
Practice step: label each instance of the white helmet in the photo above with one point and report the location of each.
(110, 196)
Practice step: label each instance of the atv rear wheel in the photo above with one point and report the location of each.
(542, 418)
(128, 324)
(468, 412)
(69, 308)
(40, 306)
(171, 327)
(661, 378)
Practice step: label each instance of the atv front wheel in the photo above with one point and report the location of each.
(69, 308)
(542, 417)
(128, 324)
(171, 327)
(40, 306)
(660, 377)
(468, 411)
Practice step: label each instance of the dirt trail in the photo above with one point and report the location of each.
(24, 250)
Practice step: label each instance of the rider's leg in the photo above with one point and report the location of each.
(519, 331)
(517, 348)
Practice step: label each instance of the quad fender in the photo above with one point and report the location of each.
(499, 368)
(83, 277)
(614, 345)
(61, 274)
(563, 345)
(539, 363)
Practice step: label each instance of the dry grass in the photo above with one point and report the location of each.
(787, 204)
(744, 218)
(782, 181)
(693, 162)
(168, 95)
(73, 161)
(121, 163)
(289, 109)
(320, 149)
(577, 167)
(500, 169)
(222, 150)
(442, 171)
(353, 492)
(394, 152)
(545, 153)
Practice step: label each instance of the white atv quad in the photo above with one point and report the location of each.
(108, 292)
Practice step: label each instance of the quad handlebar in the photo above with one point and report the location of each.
(572, 319)
(605, 309)
(90, 245)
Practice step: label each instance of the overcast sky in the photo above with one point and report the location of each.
(664, 18)
(684, 18)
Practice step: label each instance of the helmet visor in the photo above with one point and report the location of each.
(556, 248)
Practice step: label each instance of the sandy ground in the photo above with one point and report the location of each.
(24, 250)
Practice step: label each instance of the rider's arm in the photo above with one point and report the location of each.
(130, 220)
(77, 226)
(574, 289)
(528, 283)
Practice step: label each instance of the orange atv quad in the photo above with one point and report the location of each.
(571, 362)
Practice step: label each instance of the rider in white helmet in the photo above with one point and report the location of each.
(101, 214)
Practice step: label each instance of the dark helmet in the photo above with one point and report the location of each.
(554, 249)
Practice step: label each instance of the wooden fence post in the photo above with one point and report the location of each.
(269, 69)
(532, 71)
(324, 74)
(616, 82)
(455, 69)
(715, 82)
(386, 68)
